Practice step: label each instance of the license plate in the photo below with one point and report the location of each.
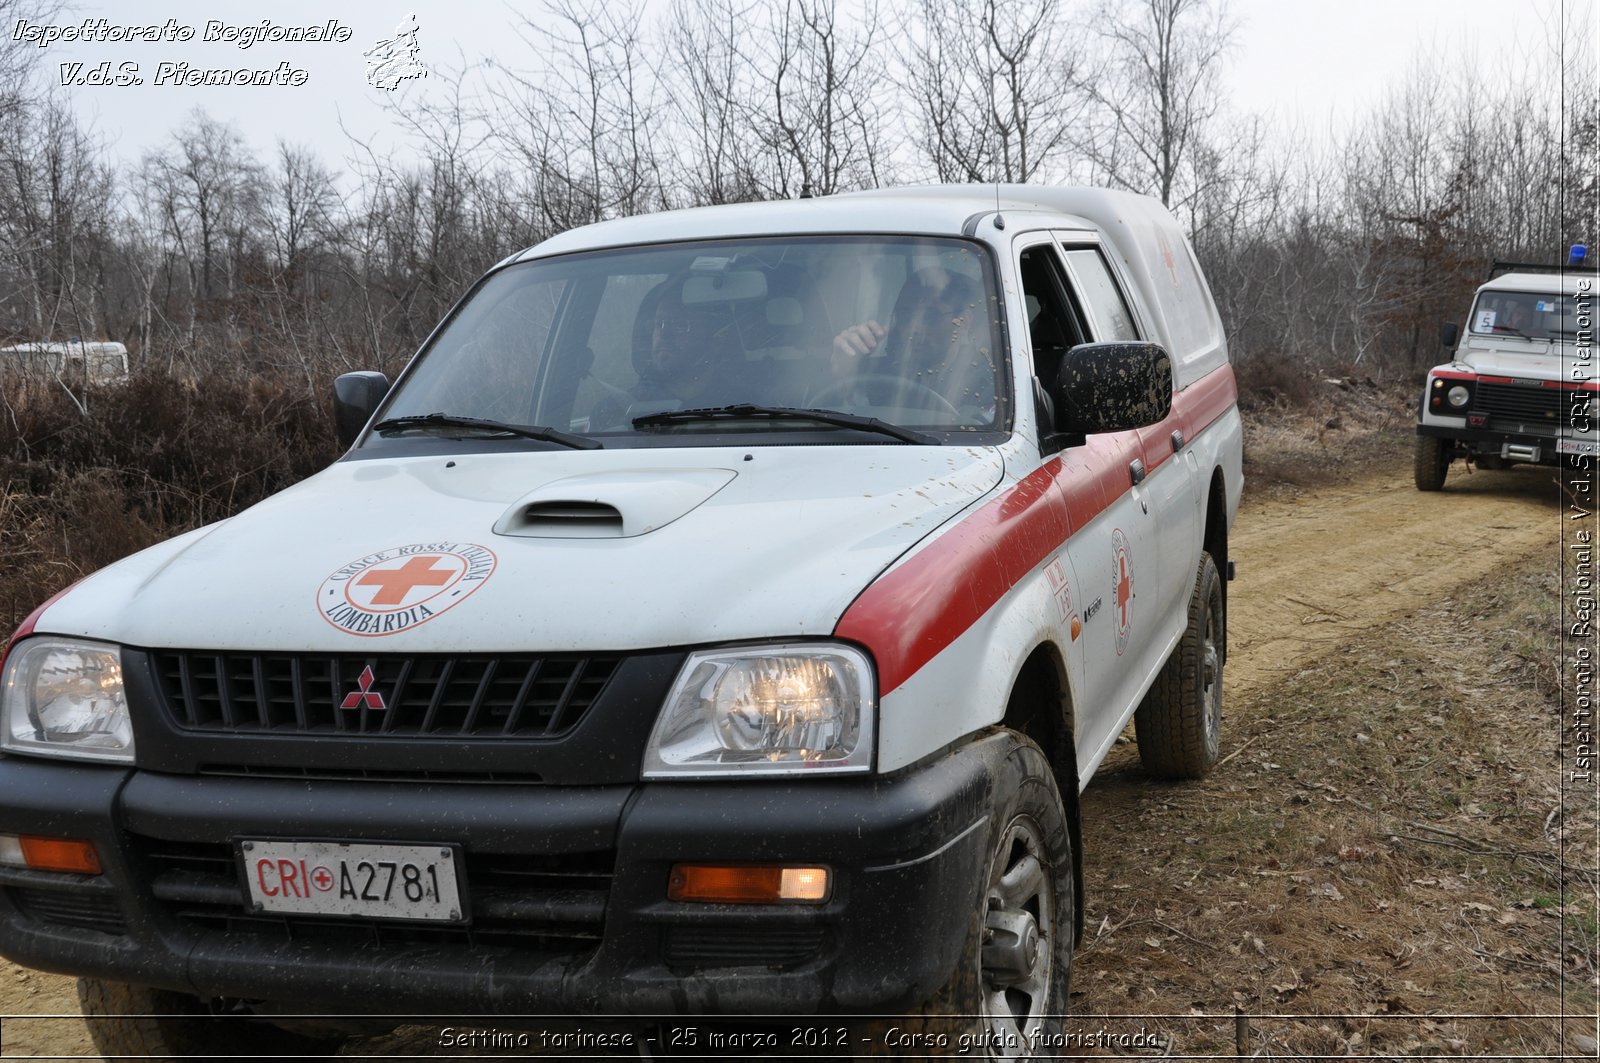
(366, 879)
(1576, 446)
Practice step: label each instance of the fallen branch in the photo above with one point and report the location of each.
(1236, 752)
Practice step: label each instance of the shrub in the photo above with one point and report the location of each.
(151, 458)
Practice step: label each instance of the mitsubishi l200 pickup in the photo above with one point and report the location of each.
(721, 613)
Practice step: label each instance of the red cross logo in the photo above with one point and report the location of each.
(395, 583)
(1124, 591)
(322, 878)
(363, 694)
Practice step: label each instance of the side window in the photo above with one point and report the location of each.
(1054, 327)
(1101, 298)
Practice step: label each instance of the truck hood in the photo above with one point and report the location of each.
(1536, 360)
(560, 550)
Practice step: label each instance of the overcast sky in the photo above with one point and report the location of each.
(1306, 65)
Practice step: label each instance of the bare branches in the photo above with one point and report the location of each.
(997, 89)
(1331, 250)
(1158, 96)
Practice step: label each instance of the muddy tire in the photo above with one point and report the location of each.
(1432, 463)
(1009, 989)
(158, 1024)
(1180, 720)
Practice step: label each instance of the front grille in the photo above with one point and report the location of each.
(1526, 407)
(67, 907)
(522, 696)
(551, 904)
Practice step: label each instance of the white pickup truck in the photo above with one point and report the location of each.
(721, 614)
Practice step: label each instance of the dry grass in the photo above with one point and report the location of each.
(1390, 863)
(1338, 430)
(151, 459)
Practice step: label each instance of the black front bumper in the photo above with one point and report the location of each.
(1489, 441)
(591, 931)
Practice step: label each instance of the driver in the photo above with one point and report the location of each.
(687, 350)
(938, 337)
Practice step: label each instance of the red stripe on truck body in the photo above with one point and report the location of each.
(913, 612)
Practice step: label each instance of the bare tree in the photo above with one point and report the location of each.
(209, 188)
(302, 199)
(1159, 95)
(20, 59)
(996, 87)
(55, 209)
(822, 127)
(709, 89)
(582, 124)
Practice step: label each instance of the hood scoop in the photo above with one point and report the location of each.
(610, 505)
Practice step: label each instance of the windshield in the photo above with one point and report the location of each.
(1527, 315)
(902, 330)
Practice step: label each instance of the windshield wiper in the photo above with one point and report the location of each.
(829, 417)
(481, 424)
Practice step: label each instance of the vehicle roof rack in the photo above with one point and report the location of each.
(1577, 259)
(1525, 267)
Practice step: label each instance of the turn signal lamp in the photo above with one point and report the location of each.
(49, 854)
(748, 885)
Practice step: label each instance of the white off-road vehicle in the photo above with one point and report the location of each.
(721, 614)
(1521, 386)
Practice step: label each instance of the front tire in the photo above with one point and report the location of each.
(1431, 463)
(1179, 723)
(1009, 990)
(158, 1024)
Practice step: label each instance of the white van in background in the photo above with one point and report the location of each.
(97, 362)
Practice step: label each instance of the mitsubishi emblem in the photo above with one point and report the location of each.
(363, 694)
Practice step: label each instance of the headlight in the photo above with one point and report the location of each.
(769, 710)
(64, 698)
(1457, 396)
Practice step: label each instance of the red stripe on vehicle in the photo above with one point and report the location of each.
(26, 627)
(911, 614)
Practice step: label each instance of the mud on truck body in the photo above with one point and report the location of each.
(721, 614)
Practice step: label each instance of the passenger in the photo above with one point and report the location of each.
(938, 338)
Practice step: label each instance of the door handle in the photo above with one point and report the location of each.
(1136, 471)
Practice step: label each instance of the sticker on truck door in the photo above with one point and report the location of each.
(1122, 587)
(1056, 572)
(394, 590)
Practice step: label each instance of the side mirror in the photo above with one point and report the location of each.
(1449, 332)
(1112, 387)
(355, 397)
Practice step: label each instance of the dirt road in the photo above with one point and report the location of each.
(1317, 568)
(1315, 572)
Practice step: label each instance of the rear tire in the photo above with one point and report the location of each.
(1432, 463)
(1009, 990)
(158, 1024)
(1179, 723)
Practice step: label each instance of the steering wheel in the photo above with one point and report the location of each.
(886, 384)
